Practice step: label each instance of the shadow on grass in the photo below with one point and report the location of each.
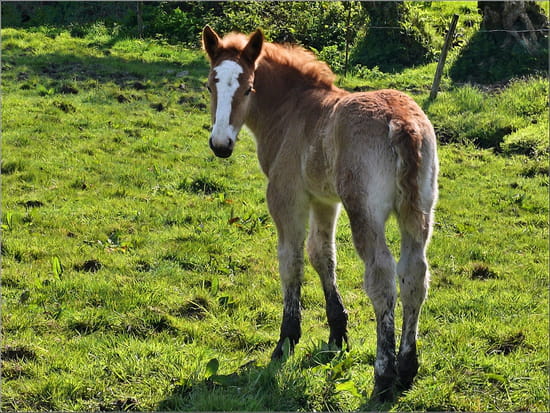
(278, 386)
(485, 60)
(250, 388)
(60, 67)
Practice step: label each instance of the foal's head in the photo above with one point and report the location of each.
(231, 84)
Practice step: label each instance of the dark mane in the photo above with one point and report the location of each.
(296, 57)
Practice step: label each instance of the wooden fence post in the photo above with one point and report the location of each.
(349, 5)
(443, 57)
(139, 15)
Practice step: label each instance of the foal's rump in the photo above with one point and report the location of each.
(386, 135)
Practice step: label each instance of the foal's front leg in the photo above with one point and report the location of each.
(289, 211)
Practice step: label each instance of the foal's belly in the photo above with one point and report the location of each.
(323, 191)
(318, 176)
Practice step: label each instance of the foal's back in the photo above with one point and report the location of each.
(385, 149)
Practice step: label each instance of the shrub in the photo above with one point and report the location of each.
(396, 41)
(525, 97)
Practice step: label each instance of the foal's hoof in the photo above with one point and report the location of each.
(407, 367)
(383, 392)
(277, 354)
(284, 348)
(383, 389)
(338, 341)
(405, 381)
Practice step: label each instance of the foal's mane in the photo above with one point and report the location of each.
(292, 56)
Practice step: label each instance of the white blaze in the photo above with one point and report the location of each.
(227, 75)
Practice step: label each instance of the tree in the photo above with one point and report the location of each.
(512, 41)
(524, 22)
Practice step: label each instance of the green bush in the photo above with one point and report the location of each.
(412, 33)
(174, 24)
(334, 57)
(330, 25)
(525, 97)
(396, 41)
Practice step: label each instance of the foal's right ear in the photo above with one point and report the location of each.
(210, 42)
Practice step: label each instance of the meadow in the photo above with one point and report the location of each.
(139, 272)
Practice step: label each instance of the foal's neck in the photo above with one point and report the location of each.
(283, 96)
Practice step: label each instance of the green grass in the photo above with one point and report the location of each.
(132, 257)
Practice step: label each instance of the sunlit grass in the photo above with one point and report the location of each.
(131, 256)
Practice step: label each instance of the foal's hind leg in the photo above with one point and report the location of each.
(367, 225)
(322, 254)
(414, 276)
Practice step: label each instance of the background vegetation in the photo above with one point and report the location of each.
(388, 35)
(139, 271)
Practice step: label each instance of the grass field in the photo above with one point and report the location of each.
(139, 272)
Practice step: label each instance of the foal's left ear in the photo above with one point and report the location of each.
(254, 46)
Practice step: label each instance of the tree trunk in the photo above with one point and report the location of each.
(523, 21)
(139, 15)
(383, 13)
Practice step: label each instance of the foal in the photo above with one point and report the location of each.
(320, 146)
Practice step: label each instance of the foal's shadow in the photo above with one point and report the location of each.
(256, 387)
(237, 391)
(373, 404)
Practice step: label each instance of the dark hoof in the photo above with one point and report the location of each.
(405, 381)
(407, 367)
(338, 340)
(383, 389)
(277, 353)
(284, 348)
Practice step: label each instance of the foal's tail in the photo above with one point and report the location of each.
(407, 140)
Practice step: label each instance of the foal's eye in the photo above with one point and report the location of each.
(250, 89)
(208, 87)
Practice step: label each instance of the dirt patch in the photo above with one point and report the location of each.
(196, 308)
(481, 271)
(68, 90)
(507, 344)
(64, 107)
(92, 265)
(20, 353)
(32, 204)
(159, 107)
(120, 405)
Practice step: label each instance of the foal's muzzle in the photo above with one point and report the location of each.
(222, 151)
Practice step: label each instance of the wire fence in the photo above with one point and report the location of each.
(487, 62)
(477, 31)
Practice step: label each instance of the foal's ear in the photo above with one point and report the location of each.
(254, 46)
(210, 41)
